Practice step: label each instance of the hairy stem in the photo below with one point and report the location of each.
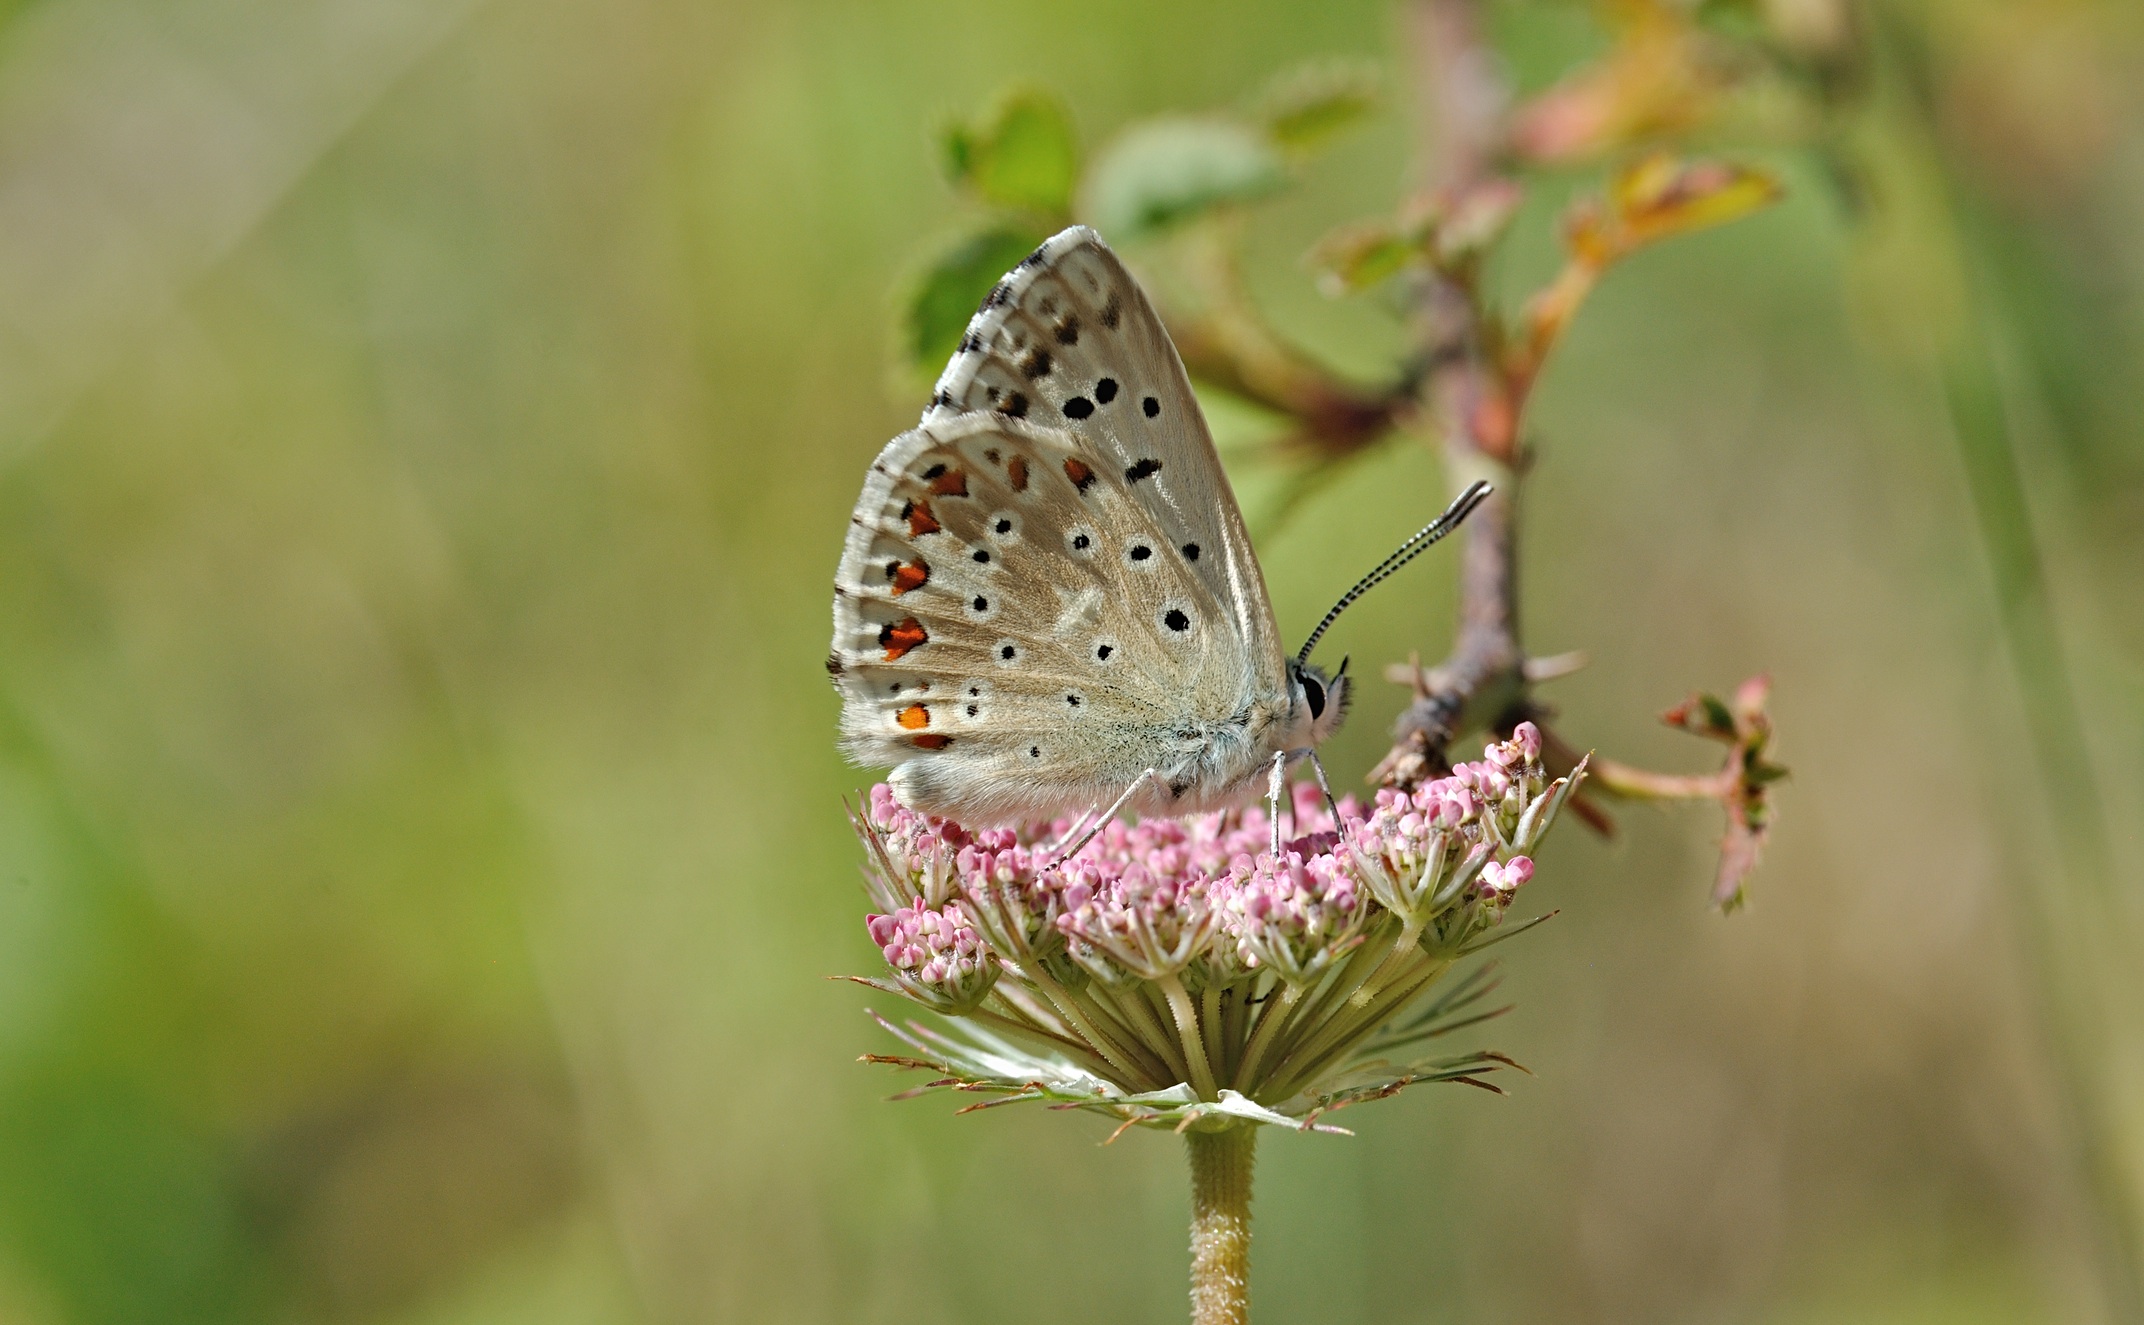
(1221, 1225)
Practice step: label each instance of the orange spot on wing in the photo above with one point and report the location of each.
(920, 520)
(1077, 471)
(931, 741)
(1016, 470)
(915, 717)
(899, 637)
(952, 483)
(911, 575)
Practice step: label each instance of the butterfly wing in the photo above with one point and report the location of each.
(1069, 339)
(1047, 588)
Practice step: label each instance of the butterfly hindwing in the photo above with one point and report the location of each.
(1003, 604)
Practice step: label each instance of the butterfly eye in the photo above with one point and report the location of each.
(1314, 695)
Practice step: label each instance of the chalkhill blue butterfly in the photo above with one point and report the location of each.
(1047, 600)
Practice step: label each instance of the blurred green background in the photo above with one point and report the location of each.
(428, 428)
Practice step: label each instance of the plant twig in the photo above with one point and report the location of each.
(1482, 681)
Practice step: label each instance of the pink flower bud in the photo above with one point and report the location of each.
(1528, 738)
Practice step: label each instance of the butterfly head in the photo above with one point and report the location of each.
(1319, 702)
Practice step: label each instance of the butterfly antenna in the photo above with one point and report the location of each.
(1460, 508)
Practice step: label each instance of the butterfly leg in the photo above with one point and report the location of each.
(1332, 806)
(1107, 815)
(1079, 825)
(1274, 785)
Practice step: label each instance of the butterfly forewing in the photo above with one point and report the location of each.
(1068, 339)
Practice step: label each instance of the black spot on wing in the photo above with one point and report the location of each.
(1106, 390)
(1079, 407)
(1145, 468)
(1150, 407)
(1036, 364)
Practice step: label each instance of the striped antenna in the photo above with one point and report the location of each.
(1407, 551)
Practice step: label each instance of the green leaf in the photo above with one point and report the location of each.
(1717, 715)
(1356, 257)
(1307, 107)
(946, 294)
(1023, 156)
(1168, 171)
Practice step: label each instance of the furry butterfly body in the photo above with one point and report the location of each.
(1047, 597)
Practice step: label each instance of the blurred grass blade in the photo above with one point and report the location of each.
(234, 104)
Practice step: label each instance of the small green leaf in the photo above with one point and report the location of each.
(1356, 257)
(1023, 155)
(946, 294)
(1168, 171)
(1307, 107)
(1717, 716)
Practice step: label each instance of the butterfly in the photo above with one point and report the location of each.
(1047, 599)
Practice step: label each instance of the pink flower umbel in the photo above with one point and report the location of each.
(1179, 973)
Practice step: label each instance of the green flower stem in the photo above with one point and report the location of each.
(1333, 993)
(1107, 1013)
(1187, 1030)
(1237, 1031)
(1279, 1002)
(1402, 948)
(1162, 1020)
(1135, 1005)
(1069, 1008)
(1221, 1225)
(1210, 1026)
(1080, 1052)
(1343, 1034)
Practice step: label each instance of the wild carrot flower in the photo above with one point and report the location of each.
(1188, 974)
(1181, 973)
